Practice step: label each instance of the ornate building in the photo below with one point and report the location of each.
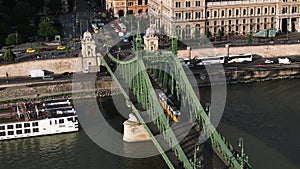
(150, 40)
(123, 7)
(90, 60)
(194, 17)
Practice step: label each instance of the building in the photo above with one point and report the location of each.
(90, 59)
(195, 17)
(150, 40)
(121, 8)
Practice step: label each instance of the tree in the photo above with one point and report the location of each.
(55, 6)
(13, 39)
(249, 38)
(219, 33)
(207, 33)
(48, 28)
(195, 34)
(9, 56)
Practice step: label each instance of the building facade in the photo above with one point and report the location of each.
(90, 59)
(195, 17)
(121, 8)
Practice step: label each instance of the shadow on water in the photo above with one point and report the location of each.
(266, 114)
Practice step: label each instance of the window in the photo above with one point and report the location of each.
(251, 11)
(140, 2)
(2, 133)
(61, 121)
(229, 12)
(146, 2)
(236, 12)
(222, 23)
(27, 131)
(10, 126)
(215, 14)
(273, 9)
(197, 15)
(237, 22)
(265, 20)
(258, 20)
(178, 15)
(19, 131)
(188, 4)
(284, 0)
(26, 124)
(188, 15)
(18, 125)
(229, 22)
(130, 3)
(207, 14)
(197, 3)
(10, 133)
(35, 130)
(266, 10)
(2, 127)
(177, 4)
(284, 10)
(258, 10)
(244, 12)
(223, 13)
(244, 20)
(294, 9)
(215, 23)
(34, 124)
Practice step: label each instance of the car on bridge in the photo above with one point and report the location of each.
(61, 48)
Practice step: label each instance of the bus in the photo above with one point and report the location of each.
(211, 60)
(240, 58)
(126, 37)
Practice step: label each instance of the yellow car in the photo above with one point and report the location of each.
(61, 48)
(30, 50)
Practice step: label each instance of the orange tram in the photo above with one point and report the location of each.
(169, 107)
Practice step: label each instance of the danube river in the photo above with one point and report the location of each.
(266, 114)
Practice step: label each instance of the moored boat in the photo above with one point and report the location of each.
(37, 118)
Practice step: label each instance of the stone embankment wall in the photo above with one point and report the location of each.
(99, 88)
(265, 51)
(57, 66)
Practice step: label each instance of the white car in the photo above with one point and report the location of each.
(284, 61)
(269, 61)
(117, 30)
(121, 34)
(112, 25)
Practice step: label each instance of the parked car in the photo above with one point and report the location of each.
(284, 61)
(61, 48)
(269, 61)
(29, 50)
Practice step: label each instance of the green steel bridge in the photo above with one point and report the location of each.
(137, 78)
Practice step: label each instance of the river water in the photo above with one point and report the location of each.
(265, 114)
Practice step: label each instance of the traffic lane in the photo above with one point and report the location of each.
(28, 79)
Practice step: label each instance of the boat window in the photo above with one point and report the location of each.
(18, 125)
(26, 124)
(61, 121)
(27, 130)
(55, 122)
(35, 130)
(2, 133)
(70, 119)
(2, 127)
(19, 131)
(50, 122)
(76, 119)
(10, 132)
(10, 126)
(35, 124)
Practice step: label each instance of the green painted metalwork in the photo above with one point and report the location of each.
(135, 75)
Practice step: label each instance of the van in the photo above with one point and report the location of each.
(48, 77)
(284, 61)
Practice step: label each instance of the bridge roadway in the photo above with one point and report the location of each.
(209, 158)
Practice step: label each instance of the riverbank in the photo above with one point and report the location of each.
(106, 87)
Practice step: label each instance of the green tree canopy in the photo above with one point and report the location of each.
(48, 28)
(249, 38)
(9, 56)
(219, 33)
(207, 33)
(54, 5)
(13, 39)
